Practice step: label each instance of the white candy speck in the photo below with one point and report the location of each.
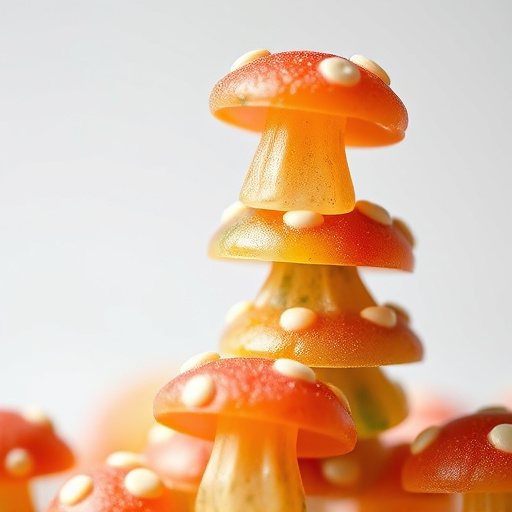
(501, 437)
(198, 391)
(490, 409)
(342, 470)
(399, 310)
(248, 57)
(339, 71)
(159, 433)
(124, 459)
(303, 219)
(424, 439)
(380, 315)
(232, 211)
(371, 66)
(36, 415)
(374, 212)
(76, 489)
(297, 319)
(198, 360)
(238, 309)
(143, 483)
(18, 462)
(294, 369)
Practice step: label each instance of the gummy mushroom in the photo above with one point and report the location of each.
(471, 455)
(115, 488)
(296, 98)
(29, 448)
(261, 414)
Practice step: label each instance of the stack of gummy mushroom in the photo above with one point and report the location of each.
(313, 320)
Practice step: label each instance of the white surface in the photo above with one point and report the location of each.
(113, 176)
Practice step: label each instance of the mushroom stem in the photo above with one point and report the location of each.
(253, 467)
(318, 287)
(300, 164)
(487, 502)
(15, 496)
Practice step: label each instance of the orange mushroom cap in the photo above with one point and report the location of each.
(253, 388)
(351, 239)
(29, 447)
(293, 80)
(468, 455)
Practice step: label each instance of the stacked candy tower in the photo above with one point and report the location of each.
(298, 211)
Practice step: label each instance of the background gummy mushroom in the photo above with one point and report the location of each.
(294, 98)
(29, 447)
(262, 415)
(471, 455)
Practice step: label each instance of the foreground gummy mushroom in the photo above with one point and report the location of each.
(295, 99)
(471, 455)
(29, 448)
(262, 415)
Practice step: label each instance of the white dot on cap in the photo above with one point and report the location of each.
(124, 459)
(491, 409)
(303, 219)
(297, 319)
(424, 439)
(18, 462)
(343, 470)
(159, 433)
(339, 71)
(501, 437)
(34, 414)
(143, 483)
(238, 309)
(198, 360)
(232, 211)
(294, 369)
(371, 66)
(76, 489)
(380, 315)
(374, 212)
(248, 57)
(198, 391)
(399, 310)
(341, 396)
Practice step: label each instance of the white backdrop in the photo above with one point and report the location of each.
(113, 175)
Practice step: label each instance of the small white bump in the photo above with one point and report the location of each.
(143, 483)
(380, 315)
(374, 212)
(371, 66)
(339, 71)
(501, 437)
(34, 414)
(232, 211)
(343, 470)
(198, 391)
(18, 462)
(199, 360)
(76, 489)
(294, 369)
(337, 391)
(248, 57)
(297, 319)
(124, 459)
(424, 439)
(238, 309)
(404, 229)
(490, 409)
(160, 433)
(399, 310)
(303, 219)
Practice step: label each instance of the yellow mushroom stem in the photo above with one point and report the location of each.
(15, 496)
(322, 288)
(253, 468)
(300, 164)
(487, 502)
